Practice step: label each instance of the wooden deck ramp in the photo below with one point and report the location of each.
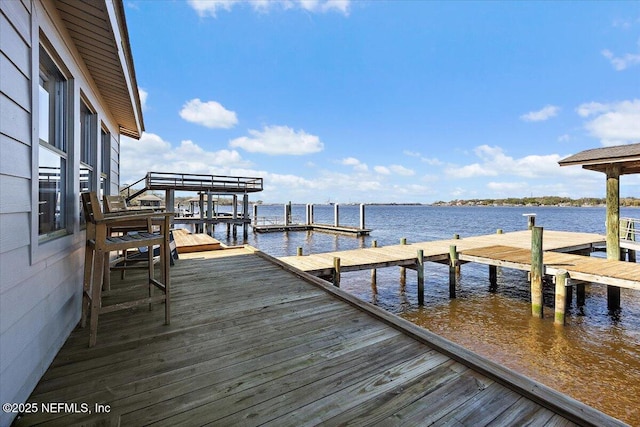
(187, 242)
(255, 342)
(405, 255)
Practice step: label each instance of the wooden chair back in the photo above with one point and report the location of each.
(91, 207)
(114, 204)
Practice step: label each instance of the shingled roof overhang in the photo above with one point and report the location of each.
(598, 159)
(99, 32)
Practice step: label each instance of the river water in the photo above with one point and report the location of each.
(595, 358)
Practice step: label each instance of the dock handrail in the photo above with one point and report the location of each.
(202, 182)
(193, 182)
(630, 229)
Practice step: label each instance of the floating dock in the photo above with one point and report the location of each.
(253, 341)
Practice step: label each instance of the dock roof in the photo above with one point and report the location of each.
(597, 159)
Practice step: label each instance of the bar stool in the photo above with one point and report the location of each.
(100, 243)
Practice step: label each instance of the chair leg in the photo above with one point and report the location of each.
(96, 290)
(151, 271)
(86, 284)
(165, 255)
(106, 281)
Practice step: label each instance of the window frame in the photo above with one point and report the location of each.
(55, 83)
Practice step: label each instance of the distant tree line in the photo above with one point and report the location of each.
(539, 201)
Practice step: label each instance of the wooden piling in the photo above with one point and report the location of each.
(403, 270)
(613, 228)
(299, 251)
(536, 272)
(561, 297)
(255, 214)
(362, 218)
(374, 273)
(499, 231)
(453, 269)
(456, 236)
(336, 272)
(336, 215)
(581, 295)
(420, 270)
(493, 278)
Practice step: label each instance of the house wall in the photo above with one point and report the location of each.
(40, 283)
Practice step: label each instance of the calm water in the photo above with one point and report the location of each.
(595, 358)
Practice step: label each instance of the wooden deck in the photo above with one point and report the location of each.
(254, 342)
(405, 255)
(187, 242)
(589, 269)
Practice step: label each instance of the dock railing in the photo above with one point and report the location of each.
(630, 230)
(158, 180)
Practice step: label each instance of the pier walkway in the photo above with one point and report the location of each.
(322, 264)
(254, 342)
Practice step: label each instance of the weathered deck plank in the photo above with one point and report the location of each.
(251, 342)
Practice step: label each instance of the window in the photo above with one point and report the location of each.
(88, 157)
(105, 159)
(52, 151)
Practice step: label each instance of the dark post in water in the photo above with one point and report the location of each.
(613, 228)
(374, 273)
(453, 269)
(536, 271)
(420, 268)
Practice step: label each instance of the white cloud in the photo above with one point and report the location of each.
(143, 98)
(614, 123)
(545, 113)
(153, 154)
(210, 114)
(401, 170)
(382, 170)
(564, 138)
(279, 140)
(428, 160)
(495, 162)
(623, 62)
(507, 186)
(357, 164)
(211, 7)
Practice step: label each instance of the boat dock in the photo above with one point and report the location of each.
(253, 341)
(404, 255)
(561, 254)
(286, 223)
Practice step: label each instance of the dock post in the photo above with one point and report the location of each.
(336, 215)
(228, 229)
(403, 270)
(581, 295)
(613, 228)
(336, 272)
(420, 268)
(255, 214)
(287, 214)
(299, 251)
(493, 278)
(209, 213)
(307, 214)
(362, 219)
(374, 273)
(536, 272)
(453, 268)
(170, 202)
(200, 227)
(499, 231)
(235, 230)
(456, 236)
(561, 297)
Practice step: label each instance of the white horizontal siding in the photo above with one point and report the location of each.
(15, 159)
(15, 196)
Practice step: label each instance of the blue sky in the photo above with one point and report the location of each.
(385, 101)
